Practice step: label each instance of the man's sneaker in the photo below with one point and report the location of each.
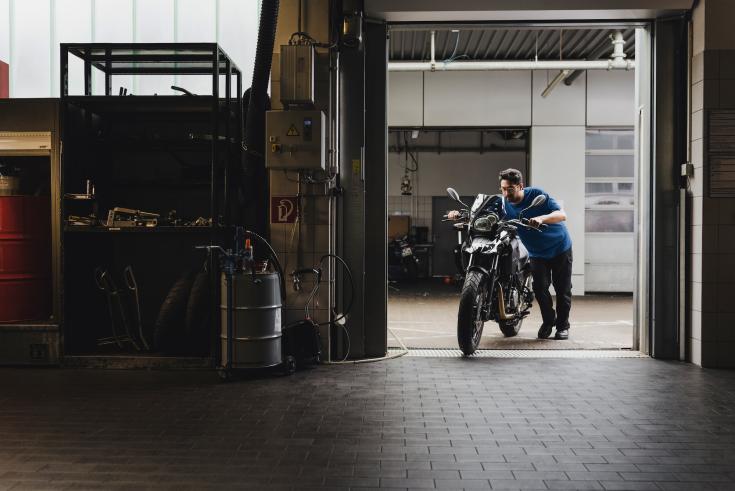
(545, 331)
(562, 334)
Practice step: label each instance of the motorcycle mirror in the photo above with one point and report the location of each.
(538, 200)
(455, 196)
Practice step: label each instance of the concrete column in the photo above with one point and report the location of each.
(302, 244)
(711, 229)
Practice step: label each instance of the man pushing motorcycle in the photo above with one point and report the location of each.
(550, 253)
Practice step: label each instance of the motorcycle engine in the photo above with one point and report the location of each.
(513, 299)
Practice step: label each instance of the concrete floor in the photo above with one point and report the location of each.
(424, 315)
(408, 423)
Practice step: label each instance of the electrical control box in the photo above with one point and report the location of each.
(297, 75)
(295, 140)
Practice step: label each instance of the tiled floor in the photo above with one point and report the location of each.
(424, 315)
(445, 423)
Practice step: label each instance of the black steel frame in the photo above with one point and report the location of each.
(167, 59)
(161, 59)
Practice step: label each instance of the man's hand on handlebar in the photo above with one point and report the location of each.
(454, 215)
(536, 222)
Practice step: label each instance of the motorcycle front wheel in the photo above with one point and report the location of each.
(469, 317)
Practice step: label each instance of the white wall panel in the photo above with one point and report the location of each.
(196, 22)
(30, 71)
(73, 24)
(557, 166)
(154, 23)
(113, 23)
(405, 98)
(565, 105)
(477, 98)
(5, 30)
(610, 97)
(610, 262)
(468, 173)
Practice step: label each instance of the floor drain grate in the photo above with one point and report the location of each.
(521, 353)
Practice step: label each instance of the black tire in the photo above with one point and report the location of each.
(469, 329)
(510, 328)
(197, 315)
(169, 332)
(410, 269)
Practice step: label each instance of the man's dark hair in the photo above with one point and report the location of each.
(513, 176)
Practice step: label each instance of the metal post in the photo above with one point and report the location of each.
(108, 75)
(64, 72)
(229, 276)
(228, 98)
(87, 73)
(215, 134)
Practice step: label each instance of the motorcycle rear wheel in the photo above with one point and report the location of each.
(510, 328)
(469, 319)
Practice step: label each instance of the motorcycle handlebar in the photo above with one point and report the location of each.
(525, 222)
(462, 215)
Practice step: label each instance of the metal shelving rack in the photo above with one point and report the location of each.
(224, 135)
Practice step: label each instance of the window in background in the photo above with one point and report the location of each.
(113, 23)
(154, 24)
(72, 24)
(31, 30)
(609, 177)
(30, 62)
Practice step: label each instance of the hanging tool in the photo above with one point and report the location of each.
(133, 287)
(105, 283)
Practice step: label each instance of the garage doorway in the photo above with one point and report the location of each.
(592, 154)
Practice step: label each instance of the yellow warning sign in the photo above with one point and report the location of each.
(292, 131)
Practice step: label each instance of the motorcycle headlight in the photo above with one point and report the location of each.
(485, 224)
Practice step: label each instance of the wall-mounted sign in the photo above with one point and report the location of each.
(284, 209)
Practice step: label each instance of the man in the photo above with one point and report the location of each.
(550, 250)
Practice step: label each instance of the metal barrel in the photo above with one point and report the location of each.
(25, 258)
(256, 330)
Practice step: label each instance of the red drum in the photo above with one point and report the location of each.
(25, 258)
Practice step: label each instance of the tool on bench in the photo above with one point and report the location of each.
(126, 217)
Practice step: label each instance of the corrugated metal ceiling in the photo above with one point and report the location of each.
(506, 43)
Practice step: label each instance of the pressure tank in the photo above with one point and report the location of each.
(256, 330)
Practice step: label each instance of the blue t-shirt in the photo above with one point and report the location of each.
(553, 239)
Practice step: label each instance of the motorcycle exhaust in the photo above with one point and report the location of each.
(501, 307)
(504, 316)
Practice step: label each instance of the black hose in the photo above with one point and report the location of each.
(255, 175)
(352, 289)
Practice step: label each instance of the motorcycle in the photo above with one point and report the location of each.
(402, 262)
(497, 269)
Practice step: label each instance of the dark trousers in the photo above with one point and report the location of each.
(556, 271)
